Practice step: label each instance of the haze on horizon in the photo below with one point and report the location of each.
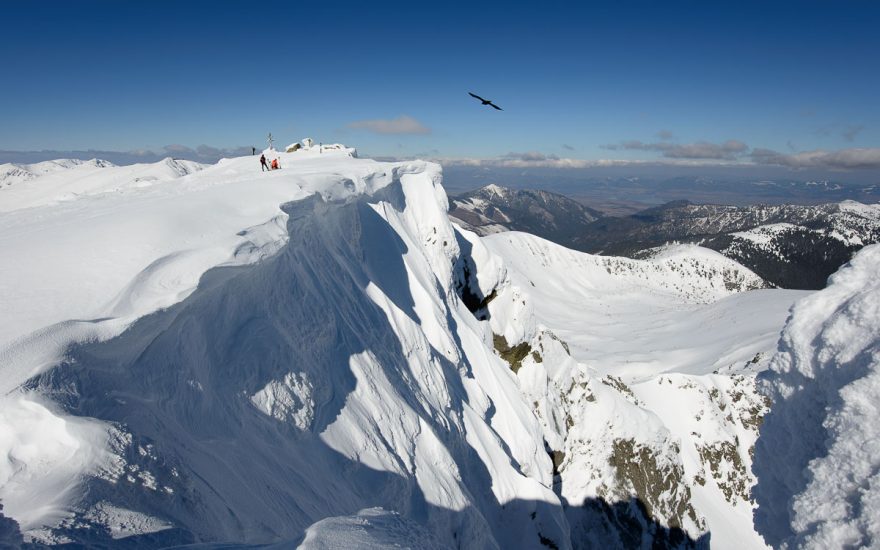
(684, 88)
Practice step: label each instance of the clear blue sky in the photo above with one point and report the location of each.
(625, 81)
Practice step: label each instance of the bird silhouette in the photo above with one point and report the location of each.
(485, 101)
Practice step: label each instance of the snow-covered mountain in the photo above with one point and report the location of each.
(640, 373)
(12, 174)
(493, 208)
(682, 219)
(790, 246)
(337, 371)
(317, 356)
(23, 186)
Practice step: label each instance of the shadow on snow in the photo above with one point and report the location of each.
(179, 382)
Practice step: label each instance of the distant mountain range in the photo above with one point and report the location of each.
(619, 192)
(790, 246)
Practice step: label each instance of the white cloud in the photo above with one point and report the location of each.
(843, 159)
(530, 156)
(728, 150)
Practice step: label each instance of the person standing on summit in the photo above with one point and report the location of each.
(264, 166)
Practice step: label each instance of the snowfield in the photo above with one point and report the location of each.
(317, 356)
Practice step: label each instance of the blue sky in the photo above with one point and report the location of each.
(676, 82)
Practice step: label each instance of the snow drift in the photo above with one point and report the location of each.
(818, 457)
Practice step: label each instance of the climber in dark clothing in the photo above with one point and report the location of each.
(264, 166)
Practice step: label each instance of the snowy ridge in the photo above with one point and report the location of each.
(12, 174)
(339, 373)
(370, 529)
(686, 273)
(848, 221)
(789, 246)
(856, 224)
(764, 234)
(67, 180)
(817, 458)
(634, 440)
(316, 354)
(852, 223)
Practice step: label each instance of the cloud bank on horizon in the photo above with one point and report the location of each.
(731, 153)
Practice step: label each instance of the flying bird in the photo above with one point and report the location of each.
(485, 101)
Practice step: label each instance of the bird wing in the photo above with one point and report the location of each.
(496, 106)
(476, 96)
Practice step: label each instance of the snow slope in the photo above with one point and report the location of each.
(642, 373)
(682, 311)
(319, 371)
(13, 174)
(818, 456)
(317, 356)
(852, 223)
(65, 180)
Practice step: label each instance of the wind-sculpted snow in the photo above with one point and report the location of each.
(370, 529)
(818, 456)
(340, 373)
(86, 269)
(317, 356)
